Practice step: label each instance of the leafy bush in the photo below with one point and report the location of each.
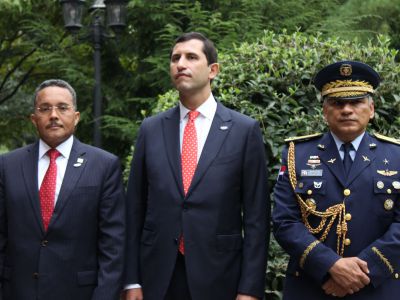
(271, 81)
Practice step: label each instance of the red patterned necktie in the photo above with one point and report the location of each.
(188, 158)
(47, 190)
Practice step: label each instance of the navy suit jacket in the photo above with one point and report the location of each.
(80, 256)
(373, 226)
(223, 217)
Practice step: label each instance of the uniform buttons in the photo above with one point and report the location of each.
(44, 243)
(297, 274)
(347, 217)
(346, 192)
(389, 191)
(35, 275)
(347, 242)
(396, 275)
(309, 192)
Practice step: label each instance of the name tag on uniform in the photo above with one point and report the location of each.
(311, 172)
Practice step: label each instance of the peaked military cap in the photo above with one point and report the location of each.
(347, 80)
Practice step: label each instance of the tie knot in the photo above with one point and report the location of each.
(53, 154)
(193, 115)
(347, 147)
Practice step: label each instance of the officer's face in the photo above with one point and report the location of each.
(348, 118)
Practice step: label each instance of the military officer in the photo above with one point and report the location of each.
(337, 203)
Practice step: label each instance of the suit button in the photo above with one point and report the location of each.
(347, 217)
(176, 240)
(309, 192)
(35, 275)
(297, 274)
(396, 275)
(347, 242)
(44, 243)
(346, 192)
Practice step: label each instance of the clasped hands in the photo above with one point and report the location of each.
(347, 276)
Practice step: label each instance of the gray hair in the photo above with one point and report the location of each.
(56, 82)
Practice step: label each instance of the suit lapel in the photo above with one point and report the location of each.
(30, 174)
(172, 144)
(331, 158)
(220, 127)
(364, 157)
(72, 174)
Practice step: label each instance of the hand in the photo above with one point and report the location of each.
(245, 297)
(132, 294)
(350, 273)
(332, 288)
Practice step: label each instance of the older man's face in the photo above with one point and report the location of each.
(347, 119)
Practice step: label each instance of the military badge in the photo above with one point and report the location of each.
(314, 161)
(346, 70)
(332, 160)
(309, 173)
(365, 158)
(380, 185)
(386, 172)
(317, 184)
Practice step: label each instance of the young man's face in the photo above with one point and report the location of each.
(54, 125)
(189, 69)
(347, 119)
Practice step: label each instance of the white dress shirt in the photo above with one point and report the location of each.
(61, 161)
(202, 122)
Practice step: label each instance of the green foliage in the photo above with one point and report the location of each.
(271, 81)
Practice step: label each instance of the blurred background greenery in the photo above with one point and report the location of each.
(269, 52)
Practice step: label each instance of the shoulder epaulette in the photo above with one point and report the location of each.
(303, 137)
(386, 138)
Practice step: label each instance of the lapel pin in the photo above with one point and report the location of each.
(79, 162)
(385, 161)
(224, 127)
(332, 160)
(372, 145)
(365, 158)
(320, 146)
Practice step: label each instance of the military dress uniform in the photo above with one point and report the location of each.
(322, 214)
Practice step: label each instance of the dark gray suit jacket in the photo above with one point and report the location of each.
(80, 257)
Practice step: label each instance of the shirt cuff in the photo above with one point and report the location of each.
(132, 286)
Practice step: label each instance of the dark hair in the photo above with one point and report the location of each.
(208, 46)
(56, 82)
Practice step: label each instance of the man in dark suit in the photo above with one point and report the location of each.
(197, 203)
(337, 203)
(62, 210)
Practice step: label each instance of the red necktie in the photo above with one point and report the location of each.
(188, 158)
(47, 190)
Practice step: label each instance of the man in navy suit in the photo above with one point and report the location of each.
(62, 216)
(202, 236)
(337, 203)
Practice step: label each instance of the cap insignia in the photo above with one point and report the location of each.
(346, 70)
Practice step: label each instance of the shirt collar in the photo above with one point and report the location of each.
(207, 109)
(64, 148)
(356, 142)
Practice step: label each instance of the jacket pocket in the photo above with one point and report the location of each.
(229, 242)
(87, 278)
